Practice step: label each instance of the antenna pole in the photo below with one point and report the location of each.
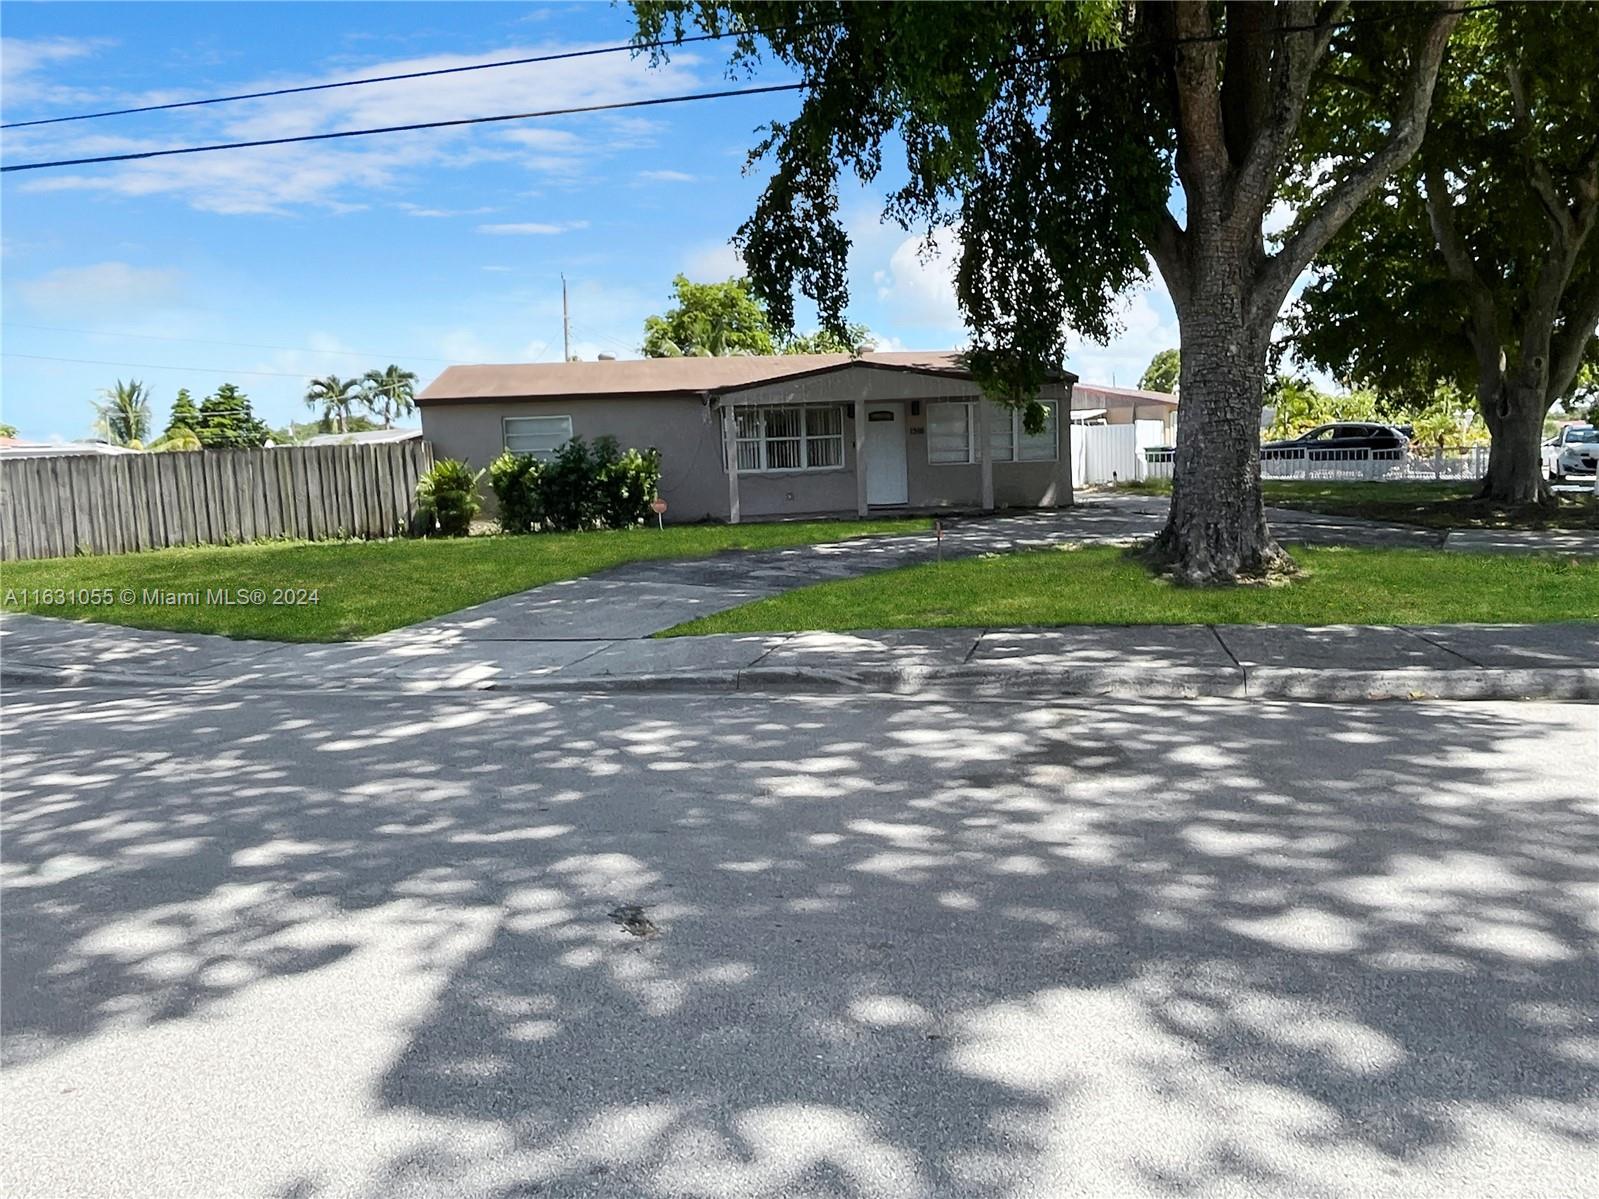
(566, 325)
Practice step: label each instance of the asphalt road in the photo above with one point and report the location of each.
(497, 946)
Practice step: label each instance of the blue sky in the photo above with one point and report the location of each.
(269, 266)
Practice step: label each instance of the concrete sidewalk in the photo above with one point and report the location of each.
(1557, 661)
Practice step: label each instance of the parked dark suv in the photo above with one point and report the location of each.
(1339, 436)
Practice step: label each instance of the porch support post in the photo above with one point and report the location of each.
(730, 440)
(860, 457)
(1064, 497)
(985, 449)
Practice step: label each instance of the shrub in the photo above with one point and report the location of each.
(580, 487)
(517, 480)
(627, 483)
(446, 497)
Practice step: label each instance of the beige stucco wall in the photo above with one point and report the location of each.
(693, 479)
(692, 482)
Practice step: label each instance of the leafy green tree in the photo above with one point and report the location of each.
(175, 440)
(7, 430)
(123, 418)
(185, 416)
(709, 320)
(1479, 267)
(336, 397)
(1049, 136)
(389, 394)
(1162, 372)
(227, 421)
(857, 339)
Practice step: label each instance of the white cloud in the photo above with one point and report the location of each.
(24, 60)
(713, 263)
(339, 175)
(105, 287)
(666, 177)
(918, 288)
(1148, 326)
(531, 228)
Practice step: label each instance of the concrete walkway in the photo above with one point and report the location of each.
(1346, 662)
(593, 633)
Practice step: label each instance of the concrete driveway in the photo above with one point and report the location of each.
(499, 945)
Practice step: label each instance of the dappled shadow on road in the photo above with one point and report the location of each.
(898, 949)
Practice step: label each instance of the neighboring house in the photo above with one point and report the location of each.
(745, 437)
(1093, 404)
(16, 447)
(365, 437)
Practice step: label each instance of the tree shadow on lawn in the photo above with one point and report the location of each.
(904, 948)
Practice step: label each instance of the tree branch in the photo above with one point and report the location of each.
(1278, 273)
(1291, 74)
(1201, 137)
(1461, 266)
(1538, 177)
(1568, 348)
(1166, 248)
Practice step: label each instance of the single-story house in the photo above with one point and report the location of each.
(364, 437)
(1095, 404)
(744, 437)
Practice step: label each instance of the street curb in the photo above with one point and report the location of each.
(968, 680)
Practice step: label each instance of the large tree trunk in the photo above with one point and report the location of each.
(1216, 529)
(1514, 413)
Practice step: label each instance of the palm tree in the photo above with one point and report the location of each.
(124, 418)
(389, 393)
(335, 396)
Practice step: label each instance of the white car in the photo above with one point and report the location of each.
(1573, 451)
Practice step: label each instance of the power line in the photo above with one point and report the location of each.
(239, 345)
(322, 87)
(157, 366)
(457, 122)
(661, 100)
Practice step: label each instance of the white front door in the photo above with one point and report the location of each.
(887, 481)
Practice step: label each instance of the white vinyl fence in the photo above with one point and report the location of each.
(1390, 466)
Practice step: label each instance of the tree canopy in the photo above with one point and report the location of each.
(1050, 137)
(389, 394)
(123, 417)
(718, 319)
(1162, 372)
(1478, 267)
(228, 422)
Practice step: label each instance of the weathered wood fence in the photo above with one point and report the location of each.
(60, 506)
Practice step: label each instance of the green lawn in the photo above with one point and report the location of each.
(1432, 505)
(369, 587)
(1105, 585)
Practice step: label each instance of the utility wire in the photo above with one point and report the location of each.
(652, 102)
(238, 345)
(322, 87)
(156, 366)
(457, 122)
(562, 56)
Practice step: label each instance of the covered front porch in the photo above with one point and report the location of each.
(867, 438)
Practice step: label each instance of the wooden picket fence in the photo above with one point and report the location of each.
(84, 504)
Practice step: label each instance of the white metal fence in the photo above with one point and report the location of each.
(1351, 465)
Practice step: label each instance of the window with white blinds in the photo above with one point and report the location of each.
(790, 437)
(540, 436)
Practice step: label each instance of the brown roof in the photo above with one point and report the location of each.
(1089, 395)
(662, 376)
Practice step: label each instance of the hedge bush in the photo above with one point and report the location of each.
(446, 498)
(581, 487)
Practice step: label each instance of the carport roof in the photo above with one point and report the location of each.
(667, 376)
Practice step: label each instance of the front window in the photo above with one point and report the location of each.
(540, 436)
(949, 433)
(952, 434)
(790, 437)
(1582, 436)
